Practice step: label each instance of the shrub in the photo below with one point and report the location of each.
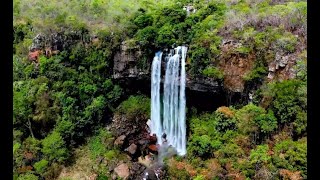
(199, 59)
(165, 36)
(177, 173)
(229, 152)
(32, 145)
(255, 74)
(243, 50)
(287, 42)
(204, 125)
(100, 145)
(143, 21)
(199, 177)
(111, 154)
(41, 166)
(102, 177)
(213, 72)
(97, 148)
(28, 176)
(135, 106)
(300, 124)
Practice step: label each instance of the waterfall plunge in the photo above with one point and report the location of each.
(174, 100)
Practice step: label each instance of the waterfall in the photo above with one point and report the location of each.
(174, 100)
(156, 126)
(182, 138)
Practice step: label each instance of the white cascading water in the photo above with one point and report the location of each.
(182, 144)
(156, 126)
(174, 100)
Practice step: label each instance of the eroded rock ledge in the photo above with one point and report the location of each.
(126, 66)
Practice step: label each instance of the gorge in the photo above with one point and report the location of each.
(166, 89)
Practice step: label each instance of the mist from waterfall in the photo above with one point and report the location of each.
(174, 101)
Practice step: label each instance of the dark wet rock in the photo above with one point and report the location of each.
(150, 175)
(136, 171)
(203, 84)
(153, 138)
(142, 142)
(136, 135)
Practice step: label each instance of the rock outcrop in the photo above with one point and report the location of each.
(132, 135)
(235, 66)
(126, 62)
(49, 44)
(282, 68)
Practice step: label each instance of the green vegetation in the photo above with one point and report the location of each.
(239, 138)
(135, 106)
(213, 72)
(64, 96)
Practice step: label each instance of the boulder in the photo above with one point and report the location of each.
(150, 174)
(153, 138)
(146, 161)
(122, 171)
(120, 140)
(132, 149)
(136, 170)
(153, 147)
(142, 142)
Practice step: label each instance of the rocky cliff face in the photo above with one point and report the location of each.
(126, 62)
(128, 59)
(53, 43)
(126, 65)
(234, 66)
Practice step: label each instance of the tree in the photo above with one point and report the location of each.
(54, 148)
(31, 105)
(266, 122)
(286, 101)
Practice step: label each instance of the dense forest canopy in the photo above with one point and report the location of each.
(65, 96)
